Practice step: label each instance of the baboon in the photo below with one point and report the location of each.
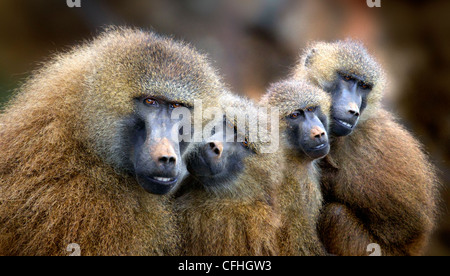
(304, 111)
(86, 151)
(228, 206)
(378, 185)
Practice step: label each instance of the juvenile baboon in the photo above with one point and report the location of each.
(228, 207)
(304, 111)
(85, 146)
(378, 185)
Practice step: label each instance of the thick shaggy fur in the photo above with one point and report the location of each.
(238, 219)
(61, 174)
(299, 196)
(379, 186)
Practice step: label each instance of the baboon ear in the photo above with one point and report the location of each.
(309, 57)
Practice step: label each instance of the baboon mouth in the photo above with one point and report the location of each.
(344, 124)
(163, 179)
(318, 151)
(209, 168)
(320, 146)
(157, 184)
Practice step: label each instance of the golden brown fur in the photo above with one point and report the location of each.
(238, 220)
(299, 197)
(61, 179)
(379, 186)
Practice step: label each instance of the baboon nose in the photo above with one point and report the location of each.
(353, 109)
(164, 154)
(317, 132)
(216, 148)
(167, 160)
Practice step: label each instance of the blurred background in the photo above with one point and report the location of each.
(256, 42)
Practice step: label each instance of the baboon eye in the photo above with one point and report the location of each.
(311, 109)
(365, 86)
(245, 143)
(294, 115)
(176, 105)
(150, 101)
(348, 78)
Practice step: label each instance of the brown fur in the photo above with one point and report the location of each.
(383, 188)
(61, 180)
(299, 196)
(379, 186)
(239, 220)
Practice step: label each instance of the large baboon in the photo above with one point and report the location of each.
(378, 185)
(85, 146)
(227, 207)
(304, 111)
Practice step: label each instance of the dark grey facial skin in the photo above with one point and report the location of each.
(307, 133)
(349, 95)
(216, 162)
(155, 150)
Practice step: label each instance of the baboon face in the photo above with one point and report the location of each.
(307, 132)
(155, 151)
(349, 94)
(217, 162)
